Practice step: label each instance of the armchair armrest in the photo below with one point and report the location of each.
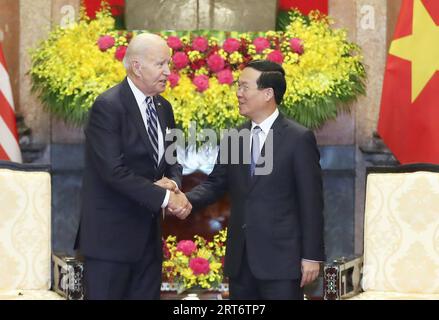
(68, 273)
(341, 278)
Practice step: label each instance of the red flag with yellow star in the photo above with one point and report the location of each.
(409, 115)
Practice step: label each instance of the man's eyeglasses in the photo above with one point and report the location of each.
(242, 87)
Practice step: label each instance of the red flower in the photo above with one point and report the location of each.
(180, 60)
(92, 6)
(201, 82)
(261, 44)
(174, 42)
(199, 266)
(120, 53)
(231, 45)
(187, 247)
(276, 56)
(197, 64)
(225, 76)
(200, 44)
(173, 79)
(296, 45)
(215, 62)
(105, 42)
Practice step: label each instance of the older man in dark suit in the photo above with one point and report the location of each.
(275, 232)
(126, 178)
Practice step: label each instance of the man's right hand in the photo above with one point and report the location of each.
(168, 184)
(179, 205)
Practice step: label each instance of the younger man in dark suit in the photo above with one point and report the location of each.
(275, 232)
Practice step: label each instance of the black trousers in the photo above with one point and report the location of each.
(110, 280)
(245, 286)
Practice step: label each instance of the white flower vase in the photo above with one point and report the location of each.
(191, 296)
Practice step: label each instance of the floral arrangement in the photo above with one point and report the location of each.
(197, 263)
(323, 69)
(69, 71)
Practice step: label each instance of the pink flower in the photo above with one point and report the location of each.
(276, 56)
(199, 266)
(261, 44)
(174, 42)
(106, 42)
(173, 79)
(120, 53)
(201, 82)
(180, 60)
(225, 76)
(296, 45)
(187, 247)
(200, 44)
(215, 62)
(231, 45)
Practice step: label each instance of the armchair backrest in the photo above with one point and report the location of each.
(25, 227)
(401, 229)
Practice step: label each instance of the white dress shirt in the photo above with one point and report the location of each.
(265, 128)
(141, 103)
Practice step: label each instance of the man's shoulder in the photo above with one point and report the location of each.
(111, 94)
(163, 101)
(111, 98)
(295, 127)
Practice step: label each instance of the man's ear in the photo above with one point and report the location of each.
(136, 67)
(269, 94)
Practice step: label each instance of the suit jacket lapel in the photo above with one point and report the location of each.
(278, 126)
(130, 104)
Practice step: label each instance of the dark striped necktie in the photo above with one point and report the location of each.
(151, 113)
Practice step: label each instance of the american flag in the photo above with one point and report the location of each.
(9, 148)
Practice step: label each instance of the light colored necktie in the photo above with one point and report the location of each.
(255, 151)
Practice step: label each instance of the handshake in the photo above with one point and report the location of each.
(178, 204)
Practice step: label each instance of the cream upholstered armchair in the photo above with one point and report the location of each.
(25, 238)
(401, 239)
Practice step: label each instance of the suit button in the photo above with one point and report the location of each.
(244, 226)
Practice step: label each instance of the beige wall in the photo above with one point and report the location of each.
(36, 19)
(249, 15)
(342, 129)
(372, 37)
(34, 27)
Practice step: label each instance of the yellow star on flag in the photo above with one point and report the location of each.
(421, 48)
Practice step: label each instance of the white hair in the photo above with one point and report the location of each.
(138, 46)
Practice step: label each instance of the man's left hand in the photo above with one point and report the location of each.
(310, 272)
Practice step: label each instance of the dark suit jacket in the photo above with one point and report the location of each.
(119, 200)
(279, 217)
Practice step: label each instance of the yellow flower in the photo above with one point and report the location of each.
(236, 57)
(69, 72)
(177, 269)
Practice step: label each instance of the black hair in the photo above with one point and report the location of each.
(272, 76)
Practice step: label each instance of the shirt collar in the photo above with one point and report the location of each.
(138, 95)
(267, 123)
